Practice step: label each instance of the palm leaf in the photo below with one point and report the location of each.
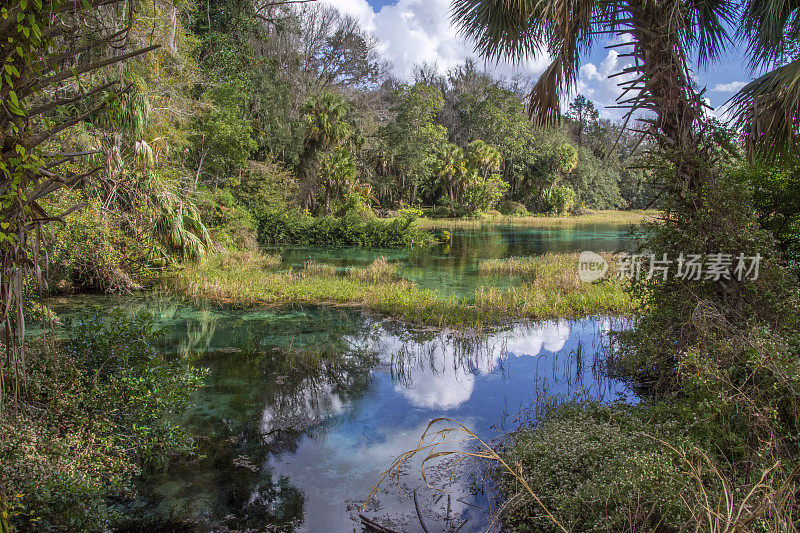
(767, 111)
(771, 26)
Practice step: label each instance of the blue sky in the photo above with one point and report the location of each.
(417, 31)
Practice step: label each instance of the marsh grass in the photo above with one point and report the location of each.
(320, 270)
(379, 271)
(554, 293)
(250, 259)
(596, 217)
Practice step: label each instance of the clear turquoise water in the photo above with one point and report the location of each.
(304, 408)
(453, 269)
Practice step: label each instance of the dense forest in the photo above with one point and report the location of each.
(157, 146)
(241, 113)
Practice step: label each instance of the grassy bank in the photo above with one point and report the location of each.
(551, 290)
(595, 217)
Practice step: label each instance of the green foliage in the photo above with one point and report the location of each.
(559, 200)
(282, 227)
(221, 135)
(95, 252)
(180, 231)
(229, 224)
(596, 468)
(266, 186)
(775, 190)
(92, 418)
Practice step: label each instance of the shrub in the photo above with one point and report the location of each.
(595, 469)
(559, 200)
(94, 251)
(512, 208)
(379, 271)
(91, 419)
(281, 227)
(229, 223)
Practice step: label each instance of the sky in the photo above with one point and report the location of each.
(419, 31)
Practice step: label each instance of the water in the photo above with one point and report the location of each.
(453, 268)
(304, 408)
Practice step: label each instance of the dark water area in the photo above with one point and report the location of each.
(304, 408)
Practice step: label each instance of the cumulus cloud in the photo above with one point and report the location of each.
(731, 87)
(594, 83)
(413, 32)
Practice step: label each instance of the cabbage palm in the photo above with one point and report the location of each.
(452, 169)
(664, 34)
(767, 110)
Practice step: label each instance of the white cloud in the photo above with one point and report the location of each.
(594, 83)
(413, 32)
(731, 87)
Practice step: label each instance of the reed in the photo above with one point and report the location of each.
(554, 292)
(596, 217)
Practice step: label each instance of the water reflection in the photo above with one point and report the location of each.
(304, 408)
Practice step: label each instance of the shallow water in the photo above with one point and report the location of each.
(453, 269)
(304, 408)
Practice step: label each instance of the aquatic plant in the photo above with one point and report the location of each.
(554, 293)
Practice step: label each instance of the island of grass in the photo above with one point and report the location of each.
(632, 217)
(549, 288)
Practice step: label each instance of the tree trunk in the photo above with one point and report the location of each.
(452, 203)
(677, 126)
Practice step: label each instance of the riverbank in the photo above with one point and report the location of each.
(633, 217)
(550, 288)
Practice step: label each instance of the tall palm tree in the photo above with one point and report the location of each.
(484, 157)
(767, 110)
(452, 168)
(327, 130)
(664, 34)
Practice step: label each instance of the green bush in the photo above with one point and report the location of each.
(229, 223)
(91, 419)
(595, 469)
(281, 227)
(559, 200)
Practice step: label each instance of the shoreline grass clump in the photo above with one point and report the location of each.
(378, 287)
(379, 271)
(634, 217)
(250, 259)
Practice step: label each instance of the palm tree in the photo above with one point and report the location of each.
(452, 169)
(767, 110)
(326, 131)
(664, 34)
(484, 157)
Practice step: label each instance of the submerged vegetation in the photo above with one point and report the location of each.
(554, 290)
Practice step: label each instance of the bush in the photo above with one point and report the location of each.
(281, 227)
(95, 251)
(230, 224)
(512, 208)
(264, 187)
(595, 469)
(92, 418)
(559, 200)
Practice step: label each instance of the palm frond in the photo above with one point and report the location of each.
(517, 30)
(767, 111)
(705, 27)
(770, 26)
